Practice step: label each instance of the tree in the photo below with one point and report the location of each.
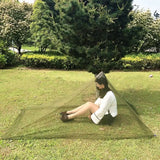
(95, 31)
(156, 34)
(138, 29)
(144, 31)
(14, 23)
(43, 26)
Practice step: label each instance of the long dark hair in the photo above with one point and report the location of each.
(101, 79)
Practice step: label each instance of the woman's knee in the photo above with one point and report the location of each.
(92, 107)
(89, 103)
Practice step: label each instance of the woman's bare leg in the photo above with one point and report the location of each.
(88, 107)
(75, 110)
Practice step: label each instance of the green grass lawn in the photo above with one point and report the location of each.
(30, 48)
(22, 88)
(34, 48)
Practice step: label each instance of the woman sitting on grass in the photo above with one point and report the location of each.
(104, 108)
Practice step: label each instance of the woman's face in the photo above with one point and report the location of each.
(100, 86)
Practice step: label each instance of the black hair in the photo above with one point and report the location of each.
(101, 79)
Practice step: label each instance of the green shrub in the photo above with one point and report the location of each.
(141, 62)
(3, 61)
(47, 61)
(129, 62)
(12, 59)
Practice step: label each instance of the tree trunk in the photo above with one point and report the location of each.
(19, 50)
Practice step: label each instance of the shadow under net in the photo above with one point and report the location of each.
(45, 123)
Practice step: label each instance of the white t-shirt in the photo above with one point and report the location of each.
(107, 104)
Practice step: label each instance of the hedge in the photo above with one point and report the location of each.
(12, 59)
(8, 59)
(129, 62)
(141, 62)
(3, 61)
(47, 61)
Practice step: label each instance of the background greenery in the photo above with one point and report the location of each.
(23, 88)
(95, 33)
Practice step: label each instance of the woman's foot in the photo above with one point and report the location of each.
(65, 118)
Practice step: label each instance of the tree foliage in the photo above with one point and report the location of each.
(144, 31)
(43, 26)
(14, 22)
(95, 31)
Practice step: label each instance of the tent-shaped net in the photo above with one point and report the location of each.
(44, 122)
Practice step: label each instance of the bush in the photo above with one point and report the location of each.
(3, 61)
(129, 62)
(12, 58)
(47, 61)
(141, 62)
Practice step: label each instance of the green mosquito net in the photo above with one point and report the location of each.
(43, 122)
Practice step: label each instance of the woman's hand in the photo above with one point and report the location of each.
(89, 116)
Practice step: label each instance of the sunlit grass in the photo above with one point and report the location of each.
(22, 88)
(30, 48)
